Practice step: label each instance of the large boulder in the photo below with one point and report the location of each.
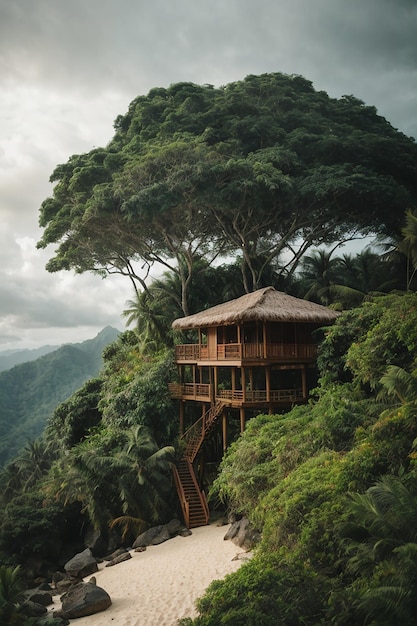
(32, 609)
(146, 538)
(82, 564)
(84, 599)
(158, 534)
(96, 541)
(243, 534)
(38, 596)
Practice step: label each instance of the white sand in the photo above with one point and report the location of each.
(159, 586)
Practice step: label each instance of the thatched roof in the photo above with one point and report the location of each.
(265, 305)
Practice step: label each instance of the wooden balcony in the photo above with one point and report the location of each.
(248, 351)
(202, 393)
(260, 396)
(190, 391)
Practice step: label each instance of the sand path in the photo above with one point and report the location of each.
(159, 586)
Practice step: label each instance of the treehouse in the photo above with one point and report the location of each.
(251, 355)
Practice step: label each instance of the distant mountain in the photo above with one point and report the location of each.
(10, 358)
(30, 392)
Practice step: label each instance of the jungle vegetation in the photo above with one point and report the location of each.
(256, 183)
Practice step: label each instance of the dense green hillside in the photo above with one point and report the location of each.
(29, 392)
(332, 486)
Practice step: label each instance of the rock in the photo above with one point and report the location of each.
(57, 577)
(32, 609)
(82, 564)
(243, 556)
(146, 538)
(84, 599)
(119, 559)
(38, 596)
(243, 534)
(62, 586)
(174, 527)
(232, 532)
(115, 554)
(140, 549)
(158, 534)
(44, 587)
(162, 536)
(95, 540)
(55, 619)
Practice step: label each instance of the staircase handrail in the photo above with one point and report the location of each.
(202, 495)
(185, 505)
(194, 436)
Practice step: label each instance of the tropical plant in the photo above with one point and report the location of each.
(113, 473)
(319, 272)
(11, 586)
(408, 246)
(383, 548)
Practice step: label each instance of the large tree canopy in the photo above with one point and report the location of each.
(261, 169)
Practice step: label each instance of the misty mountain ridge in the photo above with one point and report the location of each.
(30, 391)
(10, 358)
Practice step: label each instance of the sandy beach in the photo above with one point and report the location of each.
(159, 586)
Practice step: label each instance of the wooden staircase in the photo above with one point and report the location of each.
(193, 500)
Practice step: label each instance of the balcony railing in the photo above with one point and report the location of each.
(202, 392)
(190, 391)
(246, 351)
(261, 395)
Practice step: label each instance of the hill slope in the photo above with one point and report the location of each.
(30, 392)
(10, 358)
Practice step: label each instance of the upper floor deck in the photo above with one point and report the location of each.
(241, 352)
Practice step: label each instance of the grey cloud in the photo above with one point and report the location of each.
(67, 69)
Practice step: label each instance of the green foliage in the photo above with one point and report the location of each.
(11, 585)
(136, 392)
(31, 525)
(290, 474)
(382, 544)
(365, 341)
(345, 282)
(104, 457)
(247, 170)
(264, 591)
(274, 446)
(73, 419)
(115, 472)
(25, 471)
(391, 340)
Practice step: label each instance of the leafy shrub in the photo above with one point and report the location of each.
(266, 591)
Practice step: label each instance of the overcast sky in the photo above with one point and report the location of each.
(69, 67)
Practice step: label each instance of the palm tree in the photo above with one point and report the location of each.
(25, 470)
(399, 385)
(11, 482)
(319, 272)
(153, 312)
(119, 473)
(384, 545)
(383, 530)
(11, 586)
(408, 245)
(145, 486)
(34, 462)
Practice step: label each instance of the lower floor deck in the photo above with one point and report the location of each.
(205, 393)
